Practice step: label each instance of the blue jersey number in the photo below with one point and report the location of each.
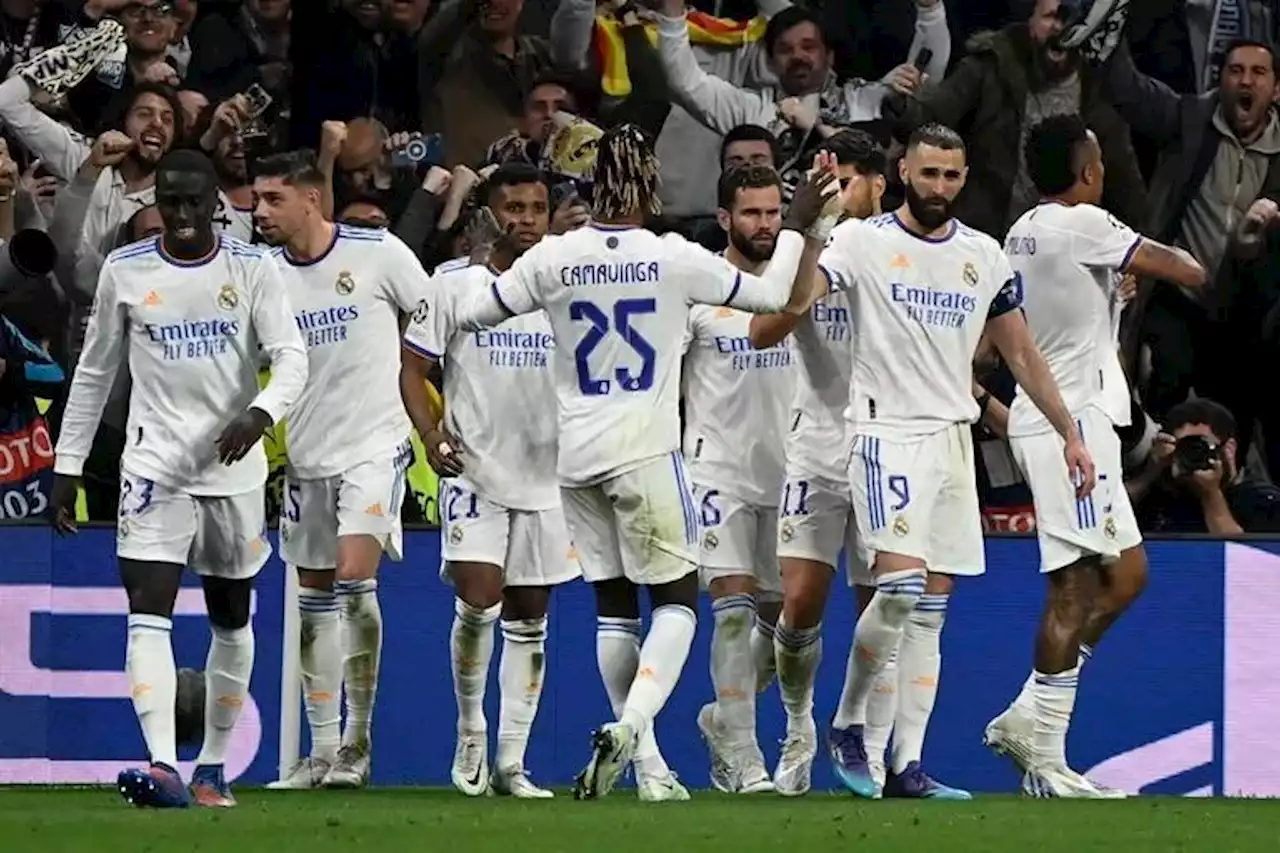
(623, 312)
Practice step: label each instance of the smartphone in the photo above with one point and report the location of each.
(259, 100)
(561, 192)
(419, 149)
(923, 58)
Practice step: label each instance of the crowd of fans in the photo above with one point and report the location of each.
(409, 103)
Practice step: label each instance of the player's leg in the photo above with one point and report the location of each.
(894, 487)
(811, 531)
(229, 549)
(882, 704)
(475, 545)
(539, 557)
(656, 531)
(154, 532)
(368, 508)
(309, 545)
(728, 723)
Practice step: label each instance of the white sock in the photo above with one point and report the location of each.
(877, 634)
(618, 656)
(662, 656)
(1025, 702)
(321, 664)
(797, 652)
(733, 673)
(226, 684)
(520, 674)
(882, 707)
(762, 654)
(471, 649)
(153, 683)
(1055, 697)
(362, 639)
(919, 664)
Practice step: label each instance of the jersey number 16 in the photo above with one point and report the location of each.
(623, 312)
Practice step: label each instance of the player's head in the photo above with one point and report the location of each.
(287, 189)
(798, 50)
(933, 172)
(1065, 160)
(518, 196)
(626, 175)
(187, 196)
(151, 119)
(861, 171)
(750, 201)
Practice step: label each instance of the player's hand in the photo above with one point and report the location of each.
(572, 213)
(241, 435)
(110, 149)
(62, 504)
(444, 455)
(809, 200)
(1080, 467)
(906, 79)
(333, 135)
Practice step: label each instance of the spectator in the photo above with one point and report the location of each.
(1192, 482)
(808, 103)
(28, 28)
(1009, 81)
(474, 71)
(1217, 154)
(235, 45)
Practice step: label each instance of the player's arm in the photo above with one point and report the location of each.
(1007, 328)
(768, 330)
(422, 349)
(1154, 259)
(278, 335)
(90, 386)
(514, 292)
(1104, 241)
(993, 413)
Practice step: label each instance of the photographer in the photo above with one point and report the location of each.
(1192, 482)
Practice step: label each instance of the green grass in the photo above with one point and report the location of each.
(51, 821)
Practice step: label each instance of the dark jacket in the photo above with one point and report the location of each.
(984, 100)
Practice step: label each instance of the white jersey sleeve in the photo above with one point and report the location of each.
(432, 325)
(95, 373)
(840, 261)
(709, 279)
(404, 281)
(1101, 239)
(279, 338)
(517, 291)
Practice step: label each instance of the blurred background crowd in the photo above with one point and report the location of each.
(409, 102)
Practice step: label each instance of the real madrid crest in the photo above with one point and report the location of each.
(1109, 528)
(970, 274)
(786, 533)
(710, 541)
(122, 529)
(345, 283)
(900, 527)
(228, 299)
(455, 535)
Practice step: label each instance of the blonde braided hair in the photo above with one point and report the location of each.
(626, 175)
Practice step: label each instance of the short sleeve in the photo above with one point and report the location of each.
(839, 261)
(407, 283)
(708, 278)
(431, 325)
(1009, 296)
(517, 290)
(1101, 240)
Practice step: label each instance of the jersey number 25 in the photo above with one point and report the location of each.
(623, 312)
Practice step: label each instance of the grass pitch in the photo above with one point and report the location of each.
(80, 820)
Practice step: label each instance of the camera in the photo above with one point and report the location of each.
(1195, 453)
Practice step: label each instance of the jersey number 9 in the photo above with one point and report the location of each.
(623, 312)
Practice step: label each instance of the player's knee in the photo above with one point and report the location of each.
(228, 602)
(321, 579)
(532, 631)
(358, 557)
(477, 584)
(525, 602)
(616, 599)
(1128, 576)
(683, 592)
(724, 585)
(152, 587)
(897, 593)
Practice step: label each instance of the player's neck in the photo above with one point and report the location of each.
(741, 261)
(1067, 199)
(192, 252)
(312, 241)
(913, 225)
(632, 220)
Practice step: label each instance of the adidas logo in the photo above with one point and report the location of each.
(152, 299)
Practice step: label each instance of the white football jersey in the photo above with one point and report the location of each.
(817, 443)
(348, 303)
(231, 220)
(499, 400)
(193, 332)
(921, 305)
(736, 403)
(1071, 259)
(618, 300)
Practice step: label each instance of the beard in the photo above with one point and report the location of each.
(750, 249)
(1050, 70)
(931, 213)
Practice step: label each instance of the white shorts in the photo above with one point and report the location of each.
(1069, 529)
(917, 496)
(363, 500)
(222, 537)
(738, 538)
(532, 547)
(815, 521)
(640, 525)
